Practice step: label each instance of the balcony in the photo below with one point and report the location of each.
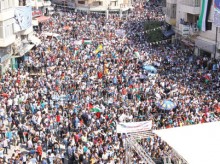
(7, 41)
(190, 6)
(6, 14)
(188, 30)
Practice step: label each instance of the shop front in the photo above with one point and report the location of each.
(4, 63)
(18, 58)
(205, 47)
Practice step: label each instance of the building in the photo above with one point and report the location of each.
(96, 5)
(183, 15)
(16, 32)
(40, 8)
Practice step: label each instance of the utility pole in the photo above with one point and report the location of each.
(216, 41)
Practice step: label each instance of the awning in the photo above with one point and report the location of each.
(168, 33)
(35, 40)
(188, 43)
(205, 44)
(24, 50)
(42, 19)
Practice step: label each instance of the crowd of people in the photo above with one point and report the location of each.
(91, 79)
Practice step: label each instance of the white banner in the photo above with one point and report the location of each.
(130, 127)
(23, 18)
(120, 33)
(77, 42)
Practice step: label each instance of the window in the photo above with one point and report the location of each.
(6, 4)
(81, 2)
(8, 30)
(209, 26)
(22, 2)
(173, 11)
(113, 3)
(197, 3)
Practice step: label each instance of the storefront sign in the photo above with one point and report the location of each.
(36, 13)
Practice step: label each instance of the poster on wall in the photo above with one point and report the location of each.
(217, 13)
(23, 18)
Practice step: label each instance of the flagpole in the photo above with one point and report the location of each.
(216, 41)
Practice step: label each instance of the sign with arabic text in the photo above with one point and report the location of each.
(133, 127)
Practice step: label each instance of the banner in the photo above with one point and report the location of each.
(23, 18)
(134, 127)
(77, 42)
(217, 13)
(120, 33)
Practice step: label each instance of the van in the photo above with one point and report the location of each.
(49, 36)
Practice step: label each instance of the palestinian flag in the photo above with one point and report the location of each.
(204, 14)
(86, 41)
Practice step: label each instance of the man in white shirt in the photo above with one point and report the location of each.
(5, 146)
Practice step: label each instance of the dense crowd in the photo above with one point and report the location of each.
(66, 98)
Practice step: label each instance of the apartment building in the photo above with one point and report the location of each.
(96, 5)
(183, 15)
(15, 28)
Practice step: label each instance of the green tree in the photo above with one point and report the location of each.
(154, 34)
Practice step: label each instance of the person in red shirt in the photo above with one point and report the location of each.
(58, 118)
(99, 75)
(39, 152)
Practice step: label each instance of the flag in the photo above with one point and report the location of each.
(86, 41)
(95, 110)
(99, 48)
(204, 14)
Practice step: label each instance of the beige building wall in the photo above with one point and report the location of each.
(189, 10)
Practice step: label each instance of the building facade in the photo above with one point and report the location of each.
(15, 31)
(183, 15)
(96, 5)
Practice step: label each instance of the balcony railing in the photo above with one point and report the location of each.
(188, 30)
(192, 3)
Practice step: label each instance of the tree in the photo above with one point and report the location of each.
(154, 33)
